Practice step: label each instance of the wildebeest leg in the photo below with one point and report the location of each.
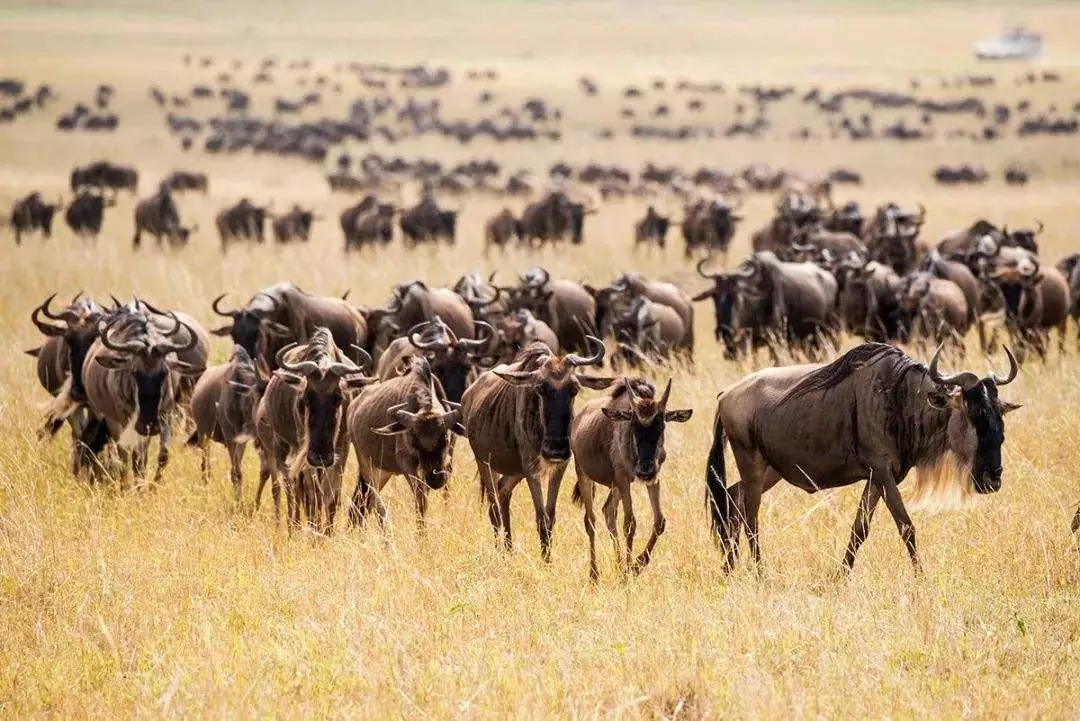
(585, 494)
(659, 523)
(138, 460)
(236, 472)
(163, 451)
(420, 491)
(204, 460)
(629, 522)
(611, 519)
(870, 497)
(756, 478)
(543, 527)
(554, 483)
(895, 504)
(507, 484)
(124, 459)
(135, 242)
(489, 487)
(1076, 521)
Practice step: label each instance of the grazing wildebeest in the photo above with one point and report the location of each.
(131, 379)
(282, 313)
(567, 307)
(32, 214)
(618, 439)
(517, 419)
(873, 414)
(242, 221)
(500, 229)
(184, 180)
(709, 224)
(300, 429)
(159, 217)
(294, 225)
(402, 427)
(87, 211)
(223, 406)
(652, 229)
(105, 175)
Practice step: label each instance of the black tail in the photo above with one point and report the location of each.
(193, 439)
(576, 495)
(717, 498)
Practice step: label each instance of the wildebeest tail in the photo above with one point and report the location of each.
(717, 498)
(193, 439)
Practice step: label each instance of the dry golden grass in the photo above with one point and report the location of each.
(170, 602)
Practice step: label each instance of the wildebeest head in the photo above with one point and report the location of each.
(79, 333)
(150, 358)
(249, 328)
(451, 358)
(322, 383)
(976, 429)
(555, 382)
(243, 388)
(728, 293)
(424, 432)
(1026, 237)
(646, 418)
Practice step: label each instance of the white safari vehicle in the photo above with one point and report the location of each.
(1014, 44)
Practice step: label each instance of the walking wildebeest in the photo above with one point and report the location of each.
(452, 359)
(709, 224)
(651, 230)
(105, 175)
(567, 307)
(500, 229)
(402, 427)
(618, 439)
(32, 214)
(300, 431)
(873, 414)
(517, 419)
(242, 221)
(183, 180)
(223, 406)
(294, 225)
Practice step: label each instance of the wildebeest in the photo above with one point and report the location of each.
(709, 224)
(1035, 297)
(283, 313)
(618, 439)
(412, 303)
(294, 225)
(517, 419)
(935, 309)
(402, 427)
(131, 377)
(184, 180)
(32, 214)
(867, 300)
(242, 221)
(873, 414)
(1069, 266)
(555, 217)
(104, 175)
(521, 328)
(891, 237)
(368, 222)
(86, 212)
(223, 407)
(652, 229)
(300, 429)
(159, 217)
(452, 359)
(62, 355)
(566, 306)
(427, 222)
(502, 228)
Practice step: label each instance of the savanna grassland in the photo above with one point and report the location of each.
(172, 602)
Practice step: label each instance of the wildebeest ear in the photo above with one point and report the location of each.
(517, 378)
(1007, 407)
(704, 294)
(678, 416)
(392, 429)
(112, 362)
(186, 369)
(224, 331)
(35, 352)
(354, 382)
(292, 379)
(616, 414)
(277, 329)
(595, 383)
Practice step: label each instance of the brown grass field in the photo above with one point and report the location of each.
(170, 602)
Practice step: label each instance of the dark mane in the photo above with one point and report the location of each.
(843, 367)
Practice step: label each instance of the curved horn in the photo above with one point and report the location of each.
(575, 360)
(1038, 230)
(44, 308)
(664, 398)
(131, 346)
(366, 361)
(170, 347)
(79, 295)
(629, 391)
(479, 303)
(471, 344)
(1014, 369)
(219, 311)
(964, 379)
(922, 214)
(303, 368)
(703, 274)
(45, 328)
(414, 338)
(117, 305)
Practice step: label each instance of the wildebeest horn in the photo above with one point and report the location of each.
(964, 379)
(170, 347)
(664, 398)
(1014, 368)
(1038, 230)
(130, 346)
(629, 391)
(802, 248)
(117, 305)
(303, 368)
(78, 295)
(471, 344)
(366, 361)
(340, 369)
(479, 303)
(575, 360)
(219, 311)
(414, 338)
(45, 328)
(922, 214)
(703, 274)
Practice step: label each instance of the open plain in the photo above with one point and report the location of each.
(172, 602)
